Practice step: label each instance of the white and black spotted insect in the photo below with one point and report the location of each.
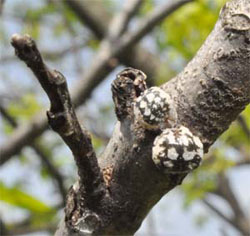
(153, 109)
(177, 150)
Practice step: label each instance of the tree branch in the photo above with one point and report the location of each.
(22, 137)
(49, 55)
(239, 219)
(97, 19)
(218, 212)
(217, 97)
(61, 115)
(121, 20)
(108, 50)
(213, 101)
(87, 14)
(152, 19)
(101, 67)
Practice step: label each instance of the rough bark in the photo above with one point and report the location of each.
(214, 87)
(209, 94)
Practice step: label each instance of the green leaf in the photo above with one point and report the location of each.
(18, 198)
(186, 29)
(25, 108)
(195, 188)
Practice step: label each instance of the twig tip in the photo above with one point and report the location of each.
(15, 37)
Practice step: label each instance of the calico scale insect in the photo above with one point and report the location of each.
(176, 149)
(154, 110)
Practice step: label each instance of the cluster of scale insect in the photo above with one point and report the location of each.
(153, 108)
(177, 150)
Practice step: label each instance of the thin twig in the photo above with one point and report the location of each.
(49, 55)
(120, 22)
(225, 191)
(218, 212)
(96, 17)
(151, 20)
(88, 16)
(108, 51)
(61, 116)
(22, 137)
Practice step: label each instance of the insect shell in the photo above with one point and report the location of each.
(177, 150)
(154, 109)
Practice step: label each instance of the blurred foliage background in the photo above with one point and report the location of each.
(33, 182)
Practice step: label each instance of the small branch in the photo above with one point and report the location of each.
(57, 177)
(152, 19)
(49, 55)
(225, 191)
(121, 20)
(104, 62)
(240, 226)
(22, 137)
(97, 19)
(87, 15)
(7, 116)
(218, 98)
(62, 117)
(218, 212)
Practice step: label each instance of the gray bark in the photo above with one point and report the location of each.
(209, 94)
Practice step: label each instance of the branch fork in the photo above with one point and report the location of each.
(63, 120)
(118, 202)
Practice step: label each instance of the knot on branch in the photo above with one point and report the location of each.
(79, 217)
(128, 85)
(26, 50)
(235, 16)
